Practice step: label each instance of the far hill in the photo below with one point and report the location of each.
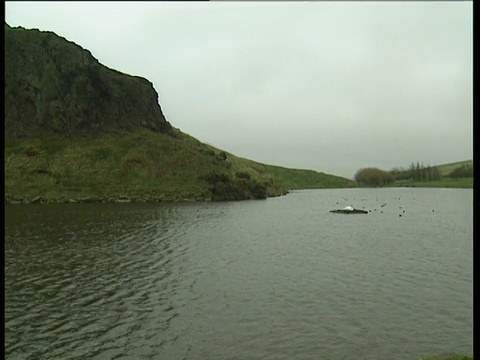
(76, 130)
(451, 175)
(446, 169)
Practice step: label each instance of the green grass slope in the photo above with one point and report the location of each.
(446, 181)
(140, 164)
(446, 169)
(463, 183)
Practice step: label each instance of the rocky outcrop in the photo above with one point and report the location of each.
(55, 85)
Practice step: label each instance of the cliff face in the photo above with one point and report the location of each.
(55, 85)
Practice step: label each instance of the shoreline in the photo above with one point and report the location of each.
(121, 199)
(163, 198)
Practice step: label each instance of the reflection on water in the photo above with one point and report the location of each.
(97, 273)
(275, 279)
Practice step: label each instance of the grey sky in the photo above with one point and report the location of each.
(328, 86)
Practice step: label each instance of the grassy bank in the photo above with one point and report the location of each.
(446, 180)
(141, 165)
(463, 183)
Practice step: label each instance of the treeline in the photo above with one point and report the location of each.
(418, 172)
(241, 187)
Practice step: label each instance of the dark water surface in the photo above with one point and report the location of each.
(276, 279)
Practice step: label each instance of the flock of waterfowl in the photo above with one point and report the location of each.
(350, 209)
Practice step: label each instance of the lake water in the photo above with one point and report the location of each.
(281, 278)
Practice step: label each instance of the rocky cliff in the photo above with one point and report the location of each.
(55, 85)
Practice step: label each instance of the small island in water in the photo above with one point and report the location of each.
(347, 211)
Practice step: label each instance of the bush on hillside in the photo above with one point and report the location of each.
(242, 175)
(213, 177)
(222, 155)
(32, 150)
(242, 187)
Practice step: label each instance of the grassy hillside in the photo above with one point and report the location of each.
(148, 166)
(446, 181)
(75, 129)
(446, 169)
(140, 164)
(292, 178)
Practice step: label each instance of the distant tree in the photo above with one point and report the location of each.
(400, 173)
(432, 173)
(436, 174)
(418, 172)
(412, 171)
(374, 177)
(423, 173)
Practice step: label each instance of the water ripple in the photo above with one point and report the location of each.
(275, 279)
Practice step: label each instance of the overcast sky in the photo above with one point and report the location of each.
(328, 86)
